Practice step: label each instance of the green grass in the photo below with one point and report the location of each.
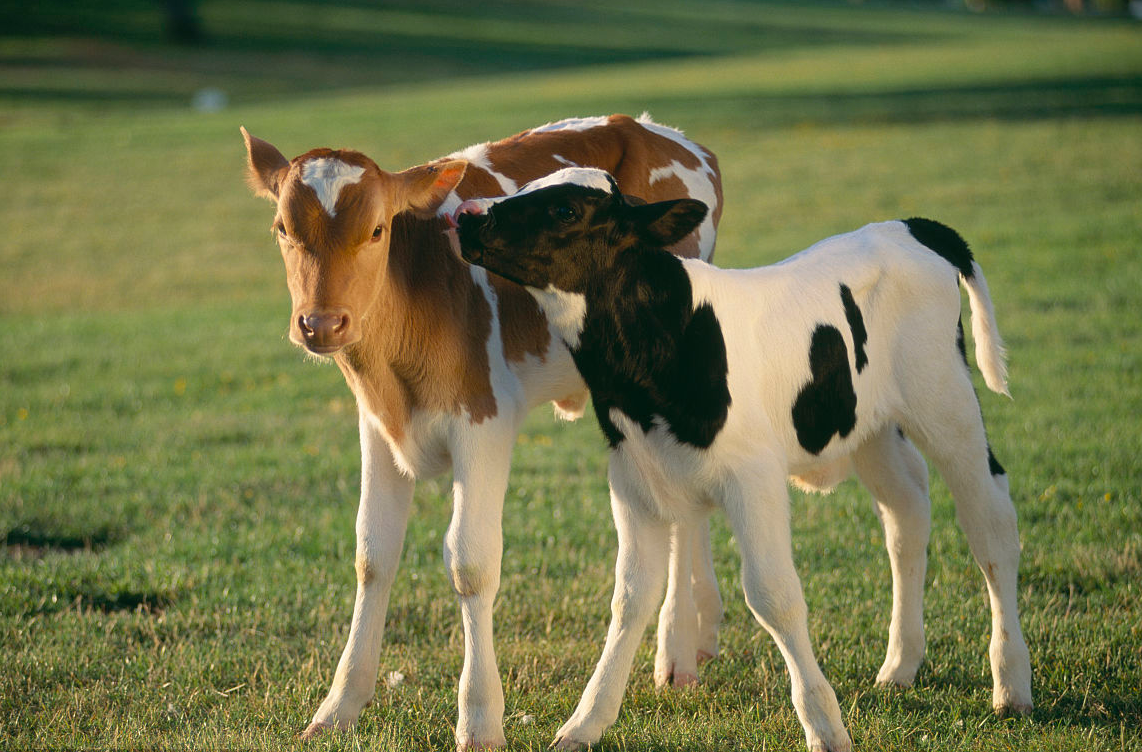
(178, 484)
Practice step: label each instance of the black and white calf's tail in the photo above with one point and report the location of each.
(990, 355)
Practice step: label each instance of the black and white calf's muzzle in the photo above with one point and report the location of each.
(470, 220)
(483, 243)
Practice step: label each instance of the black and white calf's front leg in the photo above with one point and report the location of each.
(639, 575)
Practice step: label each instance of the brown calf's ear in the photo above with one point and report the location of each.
(266, 168)
(666, 222)
(427, 186)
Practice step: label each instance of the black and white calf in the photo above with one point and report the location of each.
(717, 384)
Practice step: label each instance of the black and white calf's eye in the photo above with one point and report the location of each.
(564, 213)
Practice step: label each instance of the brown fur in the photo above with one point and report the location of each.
(421, 322)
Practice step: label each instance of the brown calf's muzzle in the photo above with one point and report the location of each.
(324, 331)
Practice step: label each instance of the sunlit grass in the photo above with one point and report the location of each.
(178, 484)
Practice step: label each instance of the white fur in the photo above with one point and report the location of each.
(698, 185)
(566, 311)
(477, 156)
(572, 124)
(327, 176)
(914, 378)
(588, 177)
(699, 181)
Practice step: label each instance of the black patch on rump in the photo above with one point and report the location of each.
(944, 241)
(827, 404)
(648, 352)
(856, 324)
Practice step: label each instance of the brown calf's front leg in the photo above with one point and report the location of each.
(386, 497)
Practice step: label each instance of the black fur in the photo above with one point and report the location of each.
(944, 241)
(643, 348)
(647, 351)
(960, 345)
(993, 464)
(856, 325)
(827, 404)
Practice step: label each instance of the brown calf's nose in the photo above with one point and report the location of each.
(324, 331)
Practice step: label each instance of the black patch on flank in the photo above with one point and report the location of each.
(960, 344)
(856, 325)
(827, 404)
(993, 464)
(944, 241)
(648, 352)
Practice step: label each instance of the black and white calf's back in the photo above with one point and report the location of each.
(717, 385)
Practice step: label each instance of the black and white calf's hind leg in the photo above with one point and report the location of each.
(692, 610)
(756, 501)
(895, 473)
(950, 432)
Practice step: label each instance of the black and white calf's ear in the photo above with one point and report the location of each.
(666, 222)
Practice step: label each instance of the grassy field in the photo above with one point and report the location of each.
(178, 484)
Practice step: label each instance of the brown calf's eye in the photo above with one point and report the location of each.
(377, 232)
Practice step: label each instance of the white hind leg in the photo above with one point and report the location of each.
(757, 504)
(692, 611)
(895, 473)
(676, 661)
(949, 428)
(706, 596)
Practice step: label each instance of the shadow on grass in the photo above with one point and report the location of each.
(33, 539)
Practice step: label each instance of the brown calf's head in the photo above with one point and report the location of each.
(334, 218)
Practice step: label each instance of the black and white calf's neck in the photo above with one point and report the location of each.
(593, 259)
(717, 384)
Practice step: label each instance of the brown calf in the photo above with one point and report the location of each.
(445, 360)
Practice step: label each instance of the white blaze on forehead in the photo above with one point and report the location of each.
(327, 176)
(565, 310)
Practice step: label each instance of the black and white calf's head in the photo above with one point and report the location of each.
(558, 233)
